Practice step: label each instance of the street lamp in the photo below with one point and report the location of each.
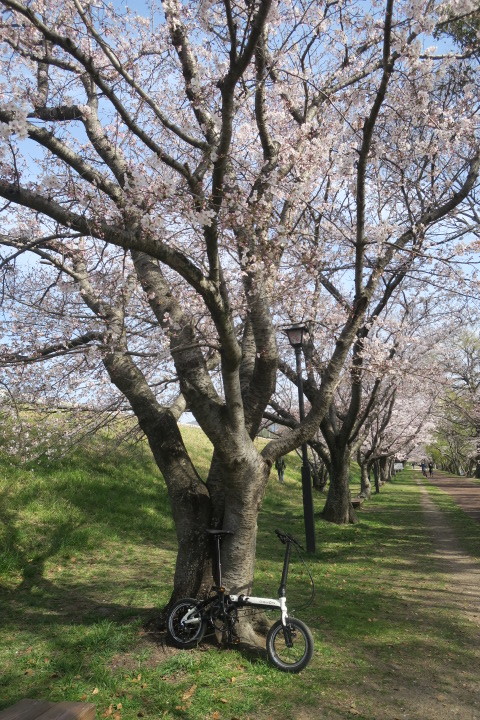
(295, 337)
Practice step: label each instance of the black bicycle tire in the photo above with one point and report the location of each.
(272, 653)
(174, 633)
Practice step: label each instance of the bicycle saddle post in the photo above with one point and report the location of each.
(217, 536)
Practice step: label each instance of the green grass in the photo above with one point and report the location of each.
(87, 556)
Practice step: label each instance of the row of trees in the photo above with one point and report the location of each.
(179, 184)
(455, 442)
(417, 382)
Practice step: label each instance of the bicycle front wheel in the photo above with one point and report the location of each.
(290, 649)
(185, 624)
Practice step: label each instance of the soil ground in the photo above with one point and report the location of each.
(465, 492)
(444, 692)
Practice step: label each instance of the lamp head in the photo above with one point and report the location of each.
(295, 334)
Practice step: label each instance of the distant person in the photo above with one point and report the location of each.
(423, 465)
(280, 466)
(413, 465)
(430, 468)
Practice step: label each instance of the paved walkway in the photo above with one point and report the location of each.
(465, 492)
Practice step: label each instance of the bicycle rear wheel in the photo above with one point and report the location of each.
(290, 649)
(185, 624)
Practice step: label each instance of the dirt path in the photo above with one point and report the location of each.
(461, 595)
(436, 685)
(439, 679)
(463, 571)
(465, 492)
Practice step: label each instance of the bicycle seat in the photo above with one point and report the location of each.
(219, 532)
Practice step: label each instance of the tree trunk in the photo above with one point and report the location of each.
(319, 476)
(383, 464)
(338, 508)
(191, 511)
(376, 475)
(236, 487)
(188, 494)
(365, 484)
(231, 498)
(391, 468)
(244, 479)
(477, 459)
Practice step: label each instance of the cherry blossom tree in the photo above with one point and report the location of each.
(222, 166)
(409, 380)
(403, 420)
(457, 437)
(385, 394)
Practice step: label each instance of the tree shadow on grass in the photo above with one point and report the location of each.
(38, 604)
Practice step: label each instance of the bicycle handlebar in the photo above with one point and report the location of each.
(286, 537)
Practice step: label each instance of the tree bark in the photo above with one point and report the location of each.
(338, 508)
(477, 459)
(245, 479)
(188, 494)
(319, 476)
(237, 501)
(383, 469)
(365, 484)
(376, 476)
(191, 510)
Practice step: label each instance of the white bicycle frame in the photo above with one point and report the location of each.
(261, 602)
(248, 600)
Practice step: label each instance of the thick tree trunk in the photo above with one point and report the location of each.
(189, 496)
(232, 504)
(338, 508)
(244, 476)
(191, 511)
(231, 499)
(365, 484)
(383, 465)
(244, 494)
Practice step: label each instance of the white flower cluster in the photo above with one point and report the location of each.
(17, 127)
(202, 217)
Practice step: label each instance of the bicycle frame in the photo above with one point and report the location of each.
(250, 600)
(261, 602)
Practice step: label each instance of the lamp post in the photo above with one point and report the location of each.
(295, 338)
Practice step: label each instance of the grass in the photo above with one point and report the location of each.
(87, 555)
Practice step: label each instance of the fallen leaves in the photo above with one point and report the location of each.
(113, 712)
(188, 693)
(187, 698)
(138, 679)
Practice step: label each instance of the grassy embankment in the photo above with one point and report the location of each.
(87, 550)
